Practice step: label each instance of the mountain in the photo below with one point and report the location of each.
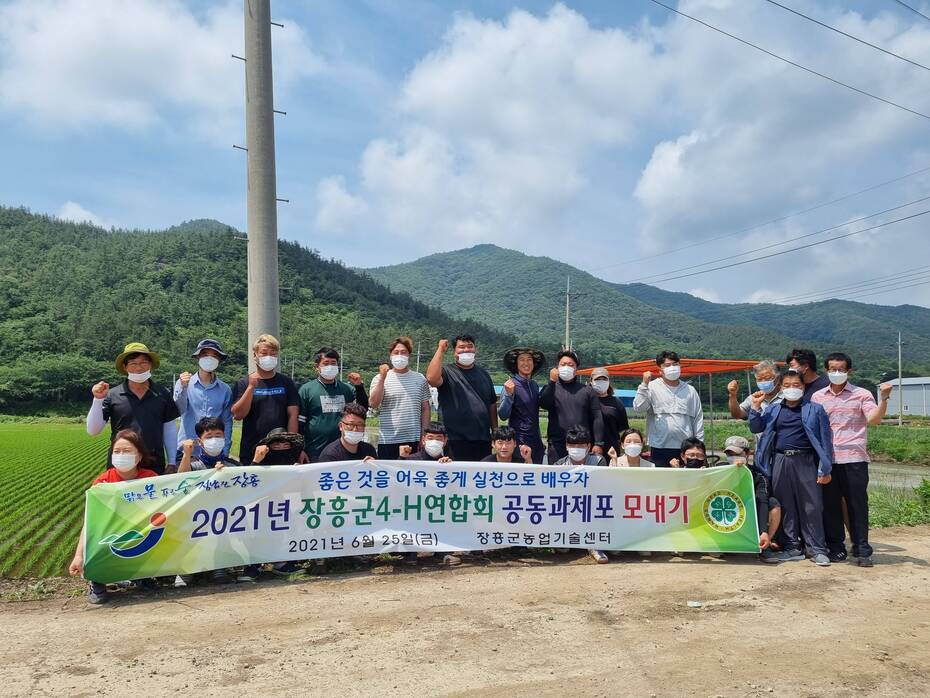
(525, 295)
(72, 295)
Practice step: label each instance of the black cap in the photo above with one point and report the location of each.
(209, 344)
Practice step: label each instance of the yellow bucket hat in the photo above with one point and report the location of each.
(136, 348)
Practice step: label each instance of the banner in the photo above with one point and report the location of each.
(192, 522)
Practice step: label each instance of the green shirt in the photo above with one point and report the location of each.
(321, 406)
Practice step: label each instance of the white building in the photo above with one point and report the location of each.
(916, 397)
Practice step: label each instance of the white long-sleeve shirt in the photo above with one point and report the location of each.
(673, 413)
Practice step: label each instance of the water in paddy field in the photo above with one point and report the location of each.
(897, 475)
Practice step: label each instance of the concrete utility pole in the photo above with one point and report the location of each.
(900, 385)
(568, 297)
(262, 229)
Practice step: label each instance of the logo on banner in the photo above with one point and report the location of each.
(724, 511)
(132, 543)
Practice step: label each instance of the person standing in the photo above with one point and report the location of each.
(851, 410)
(673, 410)
(265, 399)
(796, 450)
(570, 404)
(402, 399)
(520, 398)
(467, 401)
(140, 404)
(323, 400)
(612, 410)
(804, 361)
(202, 394)
(768, 383)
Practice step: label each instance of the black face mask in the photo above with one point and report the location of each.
(695, 462)
(284, 457)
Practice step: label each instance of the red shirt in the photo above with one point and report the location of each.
(112, 475)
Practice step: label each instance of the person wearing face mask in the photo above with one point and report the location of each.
(202, 394)
(673, 409)
(631, 445)
(208, 450)
(351, 444)
(402, 398)
(579, 452)
(768, 384)
(612, 410)
(138, 403)
(129, 459)
(692, 455)
(804, 361)
(432, 445)
(520, 398)
(851, 410)
(768, 510)
(795, 449)
(467, 400)
(323, 399)
(265, 399)
(570, 403)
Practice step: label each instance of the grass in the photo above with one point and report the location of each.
(899, 506)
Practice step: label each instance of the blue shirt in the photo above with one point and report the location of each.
(199, 401)
(789, 429)
(522, 410)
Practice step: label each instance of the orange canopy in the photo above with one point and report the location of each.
(689, 367)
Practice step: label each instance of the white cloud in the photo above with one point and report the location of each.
(337, 208)
(707, 294)
(72, 211)
(74, 65)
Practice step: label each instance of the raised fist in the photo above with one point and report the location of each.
(554, 375)
(185, 378)
(405, 451)
(100, 390)
(526, 453)
(443, 346)
(509, 386)
(383, 370)
(647, 376)
(354, 378)
(253, 380)
(732, 387)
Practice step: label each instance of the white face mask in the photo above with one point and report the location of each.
(124, 462)
(329, 372)
(632, 450)
(433, 447)
(208, 363)
(353, 437)
(140, 377)
(672, 373)
(838, 377)
(214, 446)
(566, 373)
(267, 363)
(466, 358)
(792, 393)
(577, 454)
(601, 385)
(399, 361)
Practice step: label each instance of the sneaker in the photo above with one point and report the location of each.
(599, 557)
(285, 569)
(838, 556)
(410, 558)
(181, 580)
(821, 560)
(146, 584)
(220, 577)
(248, 574)
(97, 593)
(770, 556)
(865, 561)
(791, 555)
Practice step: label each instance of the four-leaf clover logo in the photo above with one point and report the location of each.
(724, 511)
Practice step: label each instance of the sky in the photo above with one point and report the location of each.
(619, 137)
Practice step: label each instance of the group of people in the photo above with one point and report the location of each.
(810, 460)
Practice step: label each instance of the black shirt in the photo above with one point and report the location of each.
(572, 404)
(270, 400)
(615, 421)
(147, 416)
(819, 383)
(336, 451)
(465, 398)
(422, 455)
(789, 429)
(514, 458)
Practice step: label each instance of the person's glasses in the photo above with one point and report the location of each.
(353, 426)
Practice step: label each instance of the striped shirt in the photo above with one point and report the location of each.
(849, 412)
(400, 410)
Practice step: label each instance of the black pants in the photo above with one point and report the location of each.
(661, 456)
(536, 444)
(469, 451)
(392, 451)
(850, 481)
(556, 451)
(794, 482)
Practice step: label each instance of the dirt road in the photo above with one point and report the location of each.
(550, 626)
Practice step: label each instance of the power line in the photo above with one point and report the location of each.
(913, 9)
(850, 36)
(889, 290)
(790, 62)
(897, 276)
(771, 222)
(779, 244)
(797, 249)
(856, 288)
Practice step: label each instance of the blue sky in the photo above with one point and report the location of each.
(598, 133)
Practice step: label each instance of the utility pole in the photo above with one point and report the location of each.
(568, 296)
(342, 359)
(900, 384)
(262, 227)
(418, 355)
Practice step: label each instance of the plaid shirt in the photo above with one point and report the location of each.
(849, 412)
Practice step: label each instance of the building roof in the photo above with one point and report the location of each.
(911, 381)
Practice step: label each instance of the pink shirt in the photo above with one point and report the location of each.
(849, 412)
